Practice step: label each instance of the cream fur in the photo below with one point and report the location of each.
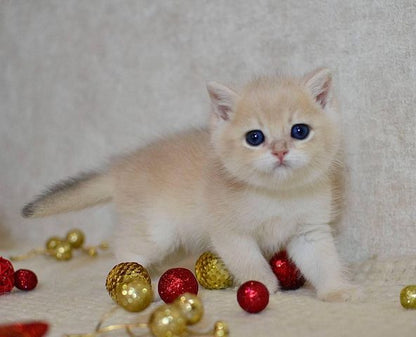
(209, 189)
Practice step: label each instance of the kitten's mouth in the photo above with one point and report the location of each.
(280, 164)
(282, 171)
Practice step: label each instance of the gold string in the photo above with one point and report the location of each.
(31, 253)
(128, 328)
(110, 328)
(201, 334)
(106, 316)
(92, 250)
(104, 245)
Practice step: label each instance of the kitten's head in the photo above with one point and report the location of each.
(276, 132)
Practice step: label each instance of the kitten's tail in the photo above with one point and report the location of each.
(73, 194)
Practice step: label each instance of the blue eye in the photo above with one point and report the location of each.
(300, 131)
(254, 137)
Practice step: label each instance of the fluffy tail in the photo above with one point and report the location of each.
(73, 194)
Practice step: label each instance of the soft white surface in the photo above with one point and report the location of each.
(71, 296)
(84, 80)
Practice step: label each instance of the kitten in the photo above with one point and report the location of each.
(265, 174)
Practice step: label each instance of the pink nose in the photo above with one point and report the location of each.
(280, 154)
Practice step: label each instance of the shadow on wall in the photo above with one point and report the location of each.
(5, 237)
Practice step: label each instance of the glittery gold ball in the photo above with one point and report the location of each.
(408, 297)
(135, 295)
(75, 237)
(211, 272)
(92, 251)
(167, 321)
(221, 329)
(191, 307)
(124, 272)
(63, 251)
(52, 242)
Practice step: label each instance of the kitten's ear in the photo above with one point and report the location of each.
(319, 83)
(223, 100)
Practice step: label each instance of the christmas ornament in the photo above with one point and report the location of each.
(221, 329)
(211, 272)
(167, 320)
(135, 295)
(408, 297)
(52, 242)
(75, 238)
(25, 279)
(62, 249)
(253, 296)
(125, 272)
(175, 282)
(289, 276)
(191, 307)
(28, 329)
(6, 276)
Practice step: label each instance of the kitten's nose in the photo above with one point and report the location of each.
(280, 154)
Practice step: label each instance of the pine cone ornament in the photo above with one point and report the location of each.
(212, 273)
(124, 272)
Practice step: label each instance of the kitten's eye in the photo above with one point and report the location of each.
(300, 131)
(254, 137)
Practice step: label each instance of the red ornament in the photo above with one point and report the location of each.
(175, 282)
(6, 276)
(289, 276)
(253, 296)
(30, 329)
(25, 279)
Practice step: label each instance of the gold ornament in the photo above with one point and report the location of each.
(167, 321)
(75, 238)
(125, 272)
(191, 307)
(52, 242)
(212, 273)
(63, 251)
(135, 295)
(408, 297)
(91, 251)
(221, 329)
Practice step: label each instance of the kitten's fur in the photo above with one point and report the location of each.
(209, 189)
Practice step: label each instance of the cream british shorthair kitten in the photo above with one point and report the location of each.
(265, 174)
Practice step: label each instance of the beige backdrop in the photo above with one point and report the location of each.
(84, 80)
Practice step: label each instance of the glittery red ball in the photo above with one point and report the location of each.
(30, 329)
(175, 282)
(25, 279)
(289, 276)
(253, 296)
(6, 276)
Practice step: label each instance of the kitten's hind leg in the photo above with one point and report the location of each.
(148, 243)
(141, 242)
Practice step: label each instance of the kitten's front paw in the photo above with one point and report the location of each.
(349, 294)
(271, 283)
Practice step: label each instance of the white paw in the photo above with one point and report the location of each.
(272, 285)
